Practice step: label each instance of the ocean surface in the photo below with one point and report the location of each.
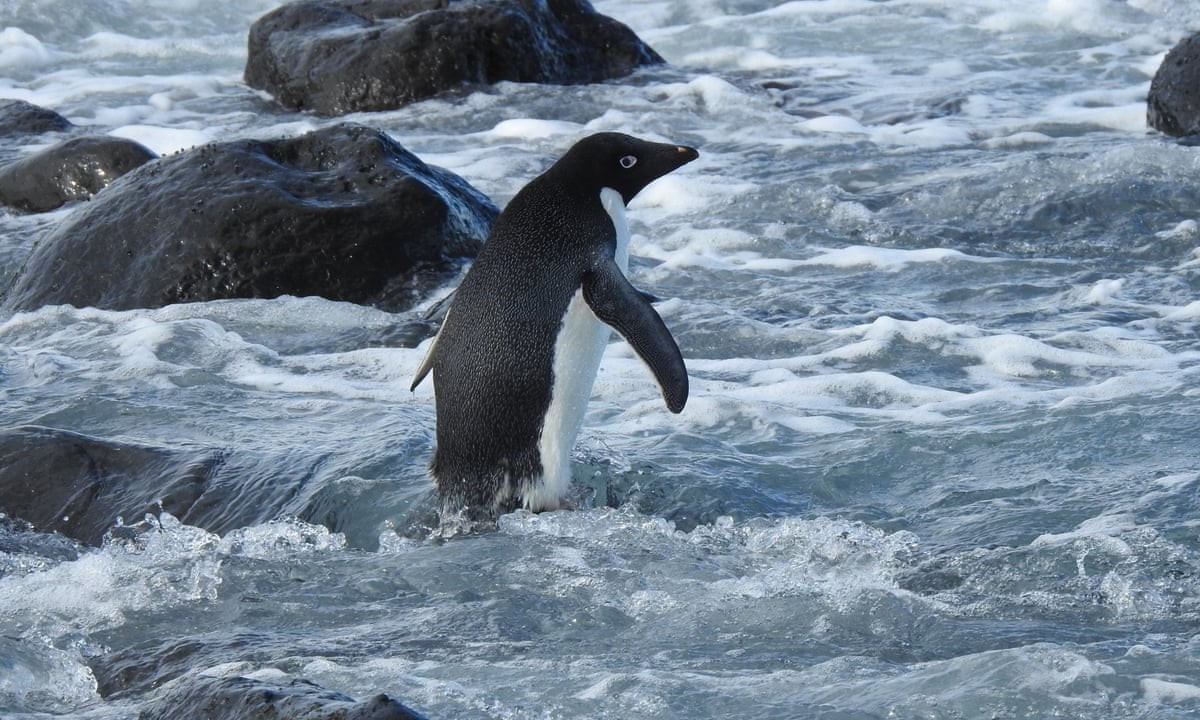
(938, 290)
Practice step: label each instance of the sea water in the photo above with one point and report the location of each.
(938, 289)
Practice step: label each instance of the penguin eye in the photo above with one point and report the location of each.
(628, 161)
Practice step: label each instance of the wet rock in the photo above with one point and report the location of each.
(1173, 106)
(344, 213)
(339, 56)
(18, 117)
(240, 698)
(79, 485)
(73, 170)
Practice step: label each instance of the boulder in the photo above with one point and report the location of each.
(240, 698)
(344, 213)
(339, 56)
(73, 170)
(18, 117)
(87, 488)
(1173, 106)
(80, 486)
(77, 485)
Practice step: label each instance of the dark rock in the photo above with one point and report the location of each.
(18, 117)
(79, 485)
(74, 170)
(339, 56)
(1173, 106)
(240, 698)
(343, 213)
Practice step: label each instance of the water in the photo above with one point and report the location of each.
(938, 288)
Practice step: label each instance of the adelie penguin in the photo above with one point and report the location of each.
(515, 359)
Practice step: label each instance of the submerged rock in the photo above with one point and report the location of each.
(240, 698)
(73, 170)
(339, 56)
(18, 117)
(344, 213)
(80, 486)
(1173, 106)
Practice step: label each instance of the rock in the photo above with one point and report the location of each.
(79, 485)
(240, 698)
(73, 170)
(344, 213)
(339, 56)
(1173, 106)
(18, 117)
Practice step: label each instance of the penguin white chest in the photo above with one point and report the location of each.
(577, 351)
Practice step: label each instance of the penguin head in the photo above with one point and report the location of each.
(622, 162)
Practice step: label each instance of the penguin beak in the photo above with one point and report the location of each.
(687, 154)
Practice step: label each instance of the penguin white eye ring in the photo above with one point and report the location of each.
(515, 359)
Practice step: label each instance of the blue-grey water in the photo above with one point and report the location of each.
(938, 287)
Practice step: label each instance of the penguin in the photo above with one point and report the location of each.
(515, 359)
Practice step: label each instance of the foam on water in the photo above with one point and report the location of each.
(54, 609)
(19, 50)
(643, 581)
(1166, 692)
(1004, 369)
(164, 348)
(164, 141)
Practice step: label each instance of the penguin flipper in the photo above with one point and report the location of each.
(620, 306)
(427, 362)
(425, 367)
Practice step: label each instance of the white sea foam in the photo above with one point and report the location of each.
(792, 557)
(1169, 692)
(889, 259)
(1104, 292)
(711, 248)
(169, 565)
(1087, 16)
(104, 45)
(175, 564)
(1108, 527)
(164, 141)
(967, 684)
(161, 348)
(687, 191)
(21, 51)
(806, 394)
(532, 129)
(1191, 311)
